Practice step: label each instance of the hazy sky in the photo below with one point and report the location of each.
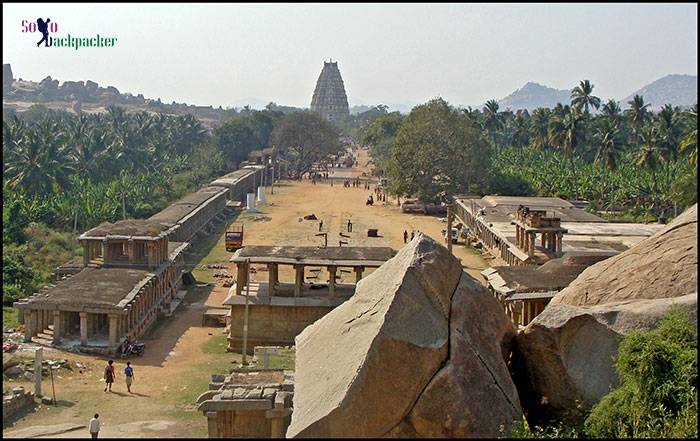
(220, 54)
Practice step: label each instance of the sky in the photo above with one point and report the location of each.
(227, 54)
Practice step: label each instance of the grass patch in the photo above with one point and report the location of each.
(10, 317)
(215, 345)
(283, 360)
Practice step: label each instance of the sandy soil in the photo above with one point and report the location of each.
(175, 361)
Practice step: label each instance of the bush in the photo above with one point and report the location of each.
(509, 185)
(18, 278)
(657, 396)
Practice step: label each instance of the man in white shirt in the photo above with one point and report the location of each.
(95, 426)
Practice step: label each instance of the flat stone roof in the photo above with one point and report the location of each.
(176, 211)
(232, 178)
(586, 232)
(92, 288)
(339, 256)
(127, 227)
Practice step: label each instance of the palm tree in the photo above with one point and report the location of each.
(538, 128)
(567, 132)
(610, 142)
(492, 122)
(690, 140)
(521, 132)
(638, 115)
(648, 157)
(582, 96)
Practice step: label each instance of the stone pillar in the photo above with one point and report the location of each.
(331, 280)
(57, 327)
(543, 239)
(29, 319)
(298, 280)
(83, 328)
(130, 251)
(150, 251)
(358, 273)
(112, 329)
(38, 355)
(241, 277)
(559, 244)
(272, 270)
(211, 425)
(517, 236)
(531, 246)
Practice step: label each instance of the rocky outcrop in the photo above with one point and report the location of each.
(663, 265)
(7, 78)
(565, 357)
(419, 350)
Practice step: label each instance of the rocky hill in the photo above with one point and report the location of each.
(532, 96)
(677, 90)
(88, 96)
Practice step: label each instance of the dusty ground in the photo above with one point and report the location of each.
(181, 354)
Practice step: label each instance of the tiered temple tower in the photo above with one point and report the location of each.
(329, 96)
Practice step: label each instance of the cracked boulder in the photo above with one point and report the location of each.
(419, 350)
(564, 359)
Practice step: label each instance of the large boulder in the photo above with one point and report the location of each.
(663, 265)
(417, 351)
(472, 395)
(564, 359)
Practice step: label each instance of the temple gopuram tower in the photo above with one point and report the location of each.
(329, 96)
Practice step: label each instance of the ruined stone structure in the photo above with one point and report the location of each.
(278, 311)
(329, 97)
(509, 228)
(248, 403)
(130, 272)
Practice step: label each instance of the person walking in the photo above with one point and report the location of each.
(109, 375)
(349, 226)
(320, 225)
(413, 234)
(95, 426)
(405, 236)
(128, 375)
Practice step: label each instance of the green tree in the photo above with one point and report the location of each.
(582, 97)
(492, 120)
(566, 131)
(657, 397)
(305, 138)
(638, 115)
(438, 148)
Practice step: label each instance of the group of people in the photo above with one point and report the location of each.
(109, 375)
(355, 183)
(405, 235)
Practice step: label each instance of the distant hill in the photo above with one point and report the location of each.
(532, 96)
(677, 90)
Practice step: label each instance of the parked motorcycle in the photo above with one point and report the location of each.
(133, 348)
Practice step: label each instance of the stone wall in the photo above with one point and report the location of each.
(271, 325)
(11, 404)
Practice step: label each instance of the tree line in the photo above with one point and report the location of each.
(634, 161)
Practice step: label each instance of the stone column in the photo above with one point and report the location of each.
(29, 320)
(112, 329)
(241, 277)
(57, 327)
(544, 235)
(211, 425)
(358, 273)
(83, 328)
(331, 280)
(559, 244)
(273, 274)
(531, 246)
(298, 280)
(130, 251)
